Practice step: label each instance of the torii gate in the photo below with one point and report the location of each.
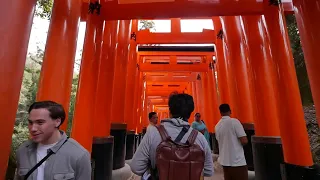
(261, 41)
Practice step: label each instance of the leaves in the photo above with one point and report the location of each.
(299, 62)
(146, 24)
(44, 8)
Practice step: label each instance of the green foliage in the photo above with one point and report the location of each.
(29, 85)
(44, 8)
(146, 24)
(72, 102)
(298, 57)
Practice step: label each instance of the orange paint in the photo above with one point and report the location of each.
(207, 108)
(138, 100)
(57, 68)
(201, 67)
(120, 70)
(240, 80)
(130, 81)
(82, 126)
(144, 108)
(195, 98)
(102, 115)
(291, 122)
(147, 37)
(164, 78)
(16, 20)
(199, 99)
(223, 70)
(307, 14)
(179, 8)
(119, 91)
(165, 9)
(264, 73)
(214, 107)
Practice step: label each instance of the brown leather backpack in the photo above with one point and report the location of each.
(177, 161)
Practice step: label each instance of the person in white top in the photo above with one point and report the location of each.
(153, 119)
(231, 138)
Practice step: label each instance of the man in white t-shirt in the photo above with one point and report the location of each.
(153, 119)
(231, 138)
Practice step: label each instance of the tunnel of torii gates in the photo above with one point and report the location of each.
(122, 79)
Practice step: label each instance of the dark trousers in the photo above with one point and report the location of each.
(235, 173)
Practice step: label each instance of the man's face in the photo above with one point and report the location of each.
(154, 119)
(197, 117)
(41, 125)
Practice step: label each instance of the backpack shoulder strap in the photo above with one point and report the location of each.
(192, 137)
(184, 130)
(163, 132)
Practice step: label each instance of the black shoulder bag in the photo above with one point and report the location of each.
(42, 160)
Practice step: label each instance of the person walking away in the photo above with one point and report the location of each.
(172, 133)
(231, 138)
(199, 125)
(50, 153)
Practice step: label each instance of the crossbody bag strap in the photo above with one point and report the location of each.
(41, 162)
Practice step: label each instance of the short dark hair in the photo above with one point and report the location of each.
(224, 108)
(151, 114)
(181, 105)
(55, 110)
(197, 114)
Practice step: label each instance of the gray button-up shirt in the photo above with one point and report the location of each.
(68, 161)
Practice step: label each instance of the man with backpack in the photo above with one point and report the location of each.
(174, 150)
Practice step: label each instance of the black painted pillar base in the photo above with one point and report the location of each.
(119, 132)
(249, 129)
(268, 157)
(102, 158)
(130, 143)
(214, 143)
(295, 172)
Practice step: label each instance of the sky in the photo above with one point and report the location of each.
(40, 28)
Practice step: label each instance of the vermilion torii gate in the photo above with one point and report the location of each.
(254, 67)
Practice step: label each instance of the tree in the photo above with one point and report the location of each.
(146, 24)
(298, 57)
(44, 8)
